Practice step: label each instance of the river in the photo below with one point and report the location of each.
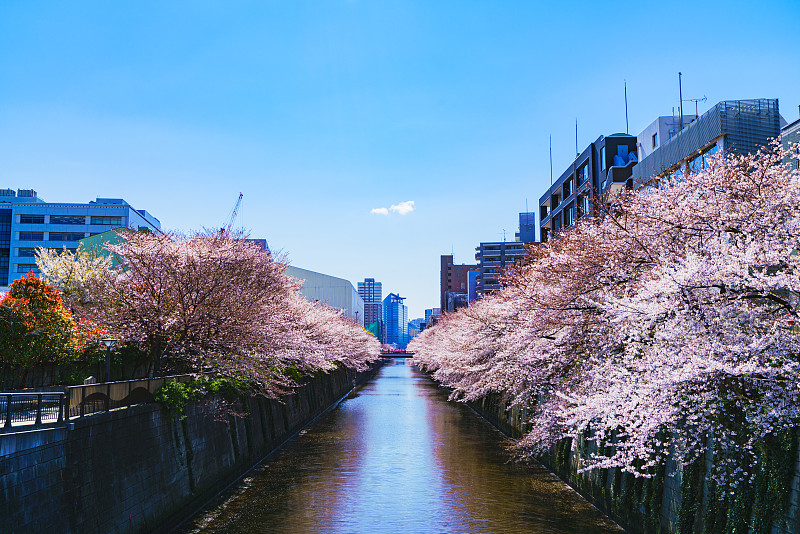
(396, 457)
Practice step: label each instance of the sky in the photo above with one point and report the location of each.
(368, 137)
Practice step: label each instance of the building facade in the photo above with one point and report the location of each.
(497, 256)
(605, 164)
(730, 127)
(27, 222)
(493, 259)
(395, 319)
(453, 283)
(790, 138)
(372, 295)
(335, 292)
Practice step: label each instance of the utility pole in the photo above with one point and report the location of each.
(680, 94)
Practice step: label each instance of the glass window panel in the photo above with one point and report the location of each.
(66, 236)
(31, 219)
(106, 219)
(31, 236)
(67, 219)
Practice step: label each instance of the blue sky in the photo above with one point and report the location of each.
(320, 112)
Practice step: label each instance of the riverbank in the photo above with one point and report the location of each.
(141, 469)
(668, 503)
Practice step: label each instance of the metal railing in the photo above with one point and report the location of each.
(31, 409)
(92, 398)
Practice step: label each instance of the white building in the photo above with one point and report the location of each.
(335, 292)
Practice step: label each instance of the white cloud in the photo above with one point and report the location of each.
(403, 208)
(380, 211)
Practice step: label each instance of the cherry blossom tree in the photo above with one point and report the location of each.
(664, 323)
(81, 276)
(216, 302)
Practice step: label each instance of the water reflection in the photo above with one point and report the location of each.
(397, 457)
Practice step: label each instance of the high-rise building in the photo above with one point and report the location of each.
(395, 319)
(453, 283)
(28, 222)
(370, 291)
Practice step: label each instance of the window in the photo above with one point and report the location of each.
(67, 219)
(569, 215)
(655, 140)
(25, 267)
(582, 176)
(583, 205)
(66, 236)
(106, 219)
(555, 200)
(31, 236)
(603, 158)
(26, 253)
(567, 188)
(31, 219)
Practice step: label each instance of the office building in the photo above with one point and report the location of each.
(335, 292)
(453, 283)
(395, 320)
(730, 127)
(372, 295)
(605, 164)
(28, 222)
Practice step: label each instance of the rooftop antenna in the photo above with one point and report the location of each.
(626, 107)
(551, 160)
(696, 100)
(680, 94)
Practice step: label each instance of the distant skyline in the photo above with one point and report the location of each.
(368, 138)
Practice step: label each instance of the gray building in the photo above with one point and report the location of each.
(335, 292)
(790, 138)
(731, 127)
(493, 259)
(28, 222)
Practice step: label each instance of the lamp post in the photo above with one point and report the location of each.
(108, 342)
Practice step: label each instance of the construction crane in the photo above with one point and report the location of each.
(227, 228)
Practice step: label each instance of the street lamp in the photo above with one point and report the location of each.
(108, 342)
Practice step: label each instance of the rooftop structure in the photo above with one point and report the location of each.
(731, 126)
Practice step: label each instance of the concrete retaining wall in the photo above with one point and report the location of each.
(641, 506)
(141, 469)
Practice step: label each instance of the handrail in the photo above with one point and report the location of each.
(86, 399)
(31, 408)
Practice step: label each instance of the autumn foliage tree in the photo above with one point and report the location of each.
(36, 328)
(665, 322)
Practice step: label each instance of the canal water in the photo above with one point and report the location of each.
(396, 457)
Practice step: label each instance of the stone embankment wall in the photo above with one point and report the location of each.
(658, 505)
(141, 469)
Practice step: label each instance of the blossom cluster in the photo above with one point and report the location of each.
(210, 302)
(662, 324)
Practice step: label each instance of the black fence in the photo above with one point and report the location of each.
(20, 410)
(93, 398)
(29, 410)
